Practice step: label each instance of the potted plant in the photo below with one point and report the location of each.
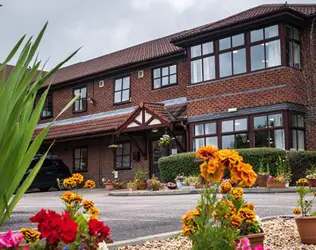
(306, 224)
(263, 175)
(113, 147)
(132, 186)
(190, 181)
(164, 140)
(283, 174)
(179, 179)
(311, 177)
(140, 179)
(171, 185)
(278, 181)
(109, 183)
(154, 184)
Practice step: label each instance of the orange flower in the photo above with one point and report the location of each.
(229, 157)
(243, 174)
(204, 172)
(297, 211)
(78, 178)
(68, 196)
(225, 208)
(247, 214)
(314, 193)
(235, 221)
(207, 152)
(225, 187)
(249, 205)
(212, 170)
(94, 211)
(188, 224)
(89, 184)
(237, 193)
(77, 198)
(87, 204)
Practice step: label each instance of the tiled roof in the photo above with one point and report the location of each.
(256, 12)
(178, 111)
(169, 113)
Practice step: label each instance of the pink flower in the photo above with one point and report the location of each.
(10, 239)
(243, 244)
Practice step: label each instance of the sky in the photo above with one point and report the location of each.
(104, 26)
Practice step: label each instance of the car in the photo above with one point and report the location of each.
(52, 169)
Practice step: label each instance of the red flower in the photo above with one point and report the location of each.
(69, 229)
(98, 229)
(40, 216)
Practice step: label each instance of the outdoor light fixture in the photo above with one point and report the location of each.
(154, 130)
(232, 110)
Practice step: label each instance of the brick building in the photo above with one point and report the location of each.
(234, 83)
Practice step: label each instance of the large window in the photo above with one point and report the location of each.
(202, 63)
(265, 50)
(235, 133)
(80, 159)
(232, 57)
(80, 104)
(298, 131)
(122, 90)
(123, 156)
(293, 48)
(47, 111)
(165, 76)
(269, 131)
(204, 135)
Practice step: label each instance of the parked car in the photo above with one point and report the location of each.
(46, 178)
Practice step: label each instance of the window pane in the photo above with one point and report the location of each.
(271, 31)
(156, 73)
(275, 120)
(165, 80)
(241, 124)
(288, 31)
(196, 51)
(117, 97)
(165, 71)
(300, 121)
(227, 126)
(210, 128)
(211, 141)
(126, 83)
(77, 153)
(301, 139)
(118, 161)
(242, 141)
(224, 43)
(126, 148)
(118, 84)
(257, 57)
(77, 91)
(260, 122)
(77, 105)
(125, 95)
(173, 79)
(228, 141)
(126, 161)
(294, 120)
(199, 129)
(239, 61)
(279, 141)
(173, 69)
(296, 34)
(262, 139)
(83, 93)
(289, 53)
(208, 48)
(209, 68)
(256, 35)
(157, 83)
(197, 143)
(294, 139)
(225, 64)
(273, 53)
(238, 40)
(196, 71)
(297, 55)
(119, 149)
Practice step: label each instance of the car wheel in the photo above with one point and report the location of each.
(45, 189)
(60, 186)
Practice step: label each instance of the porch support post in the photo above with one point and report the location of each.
(177, 141)
(143, 152)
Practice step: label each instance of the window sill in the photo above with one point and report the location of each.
(80, 171)
(165, 87)
(121, 103)
(117, 169)
(78, 112)
(46, 117)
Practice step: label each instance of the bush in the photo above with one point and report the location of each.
(185, 164)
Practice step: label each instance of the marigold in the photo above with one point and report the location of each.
(302, 182)
(77, 198)
(188, 224)
(297, 211)
(249, 205)
(235, 221)
(87, 204)
(225, 187)
(68, 196)
(78, 178)
(30, 235)
(89, 184)
(237, 193)
(224, 208)
(229, 157)
(247, 214)
(206, 153)
(212, 170)
(94, 211)
(69, 183)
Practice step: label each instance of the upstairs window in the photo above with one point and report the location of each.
(293, 47)
(123, 156)
(165, 76)
(232, 55)
(122, 90)
(265, 48)
(202, 62)
(80, 104)
(298, 131)
(47, 111)
(80, 159)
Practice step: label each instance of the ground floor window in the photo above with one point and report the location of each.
(80, 159)
(298, 131)
(204, 134)
(123, 156)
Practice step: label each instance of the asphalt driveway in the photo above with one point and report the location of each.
(131, 217)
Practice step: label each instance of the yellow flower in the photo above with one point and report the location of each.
(247, 214)
(237, 193)
(30, 235)
(207, 152)
(93, 216)
(78, 178)
(243, 174)
(302, 182)
(225, 187)
(235, 221)
(229, 157)
(249, 205)
(188, 224)
(87, 204)
(297, 211)
(94, 211)
(224, 209)
(68, 196)
(69, 183)
(77, 198)
(89, 184)
(212, 170)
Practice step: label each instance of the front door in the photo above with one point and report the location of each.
(155, 154)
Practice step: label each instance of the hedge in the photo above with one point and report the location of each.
(184, 163)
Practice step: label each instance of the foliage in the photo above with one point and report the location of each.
(186, 163)
(19, 92)
(164, 140)
(154, 184)
(141, 175)
(304, 205)
(74, 181)
(311, 173)
(190, 180)
(132, 184)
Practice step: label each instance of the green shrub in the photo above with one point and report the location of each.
(185, 164)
